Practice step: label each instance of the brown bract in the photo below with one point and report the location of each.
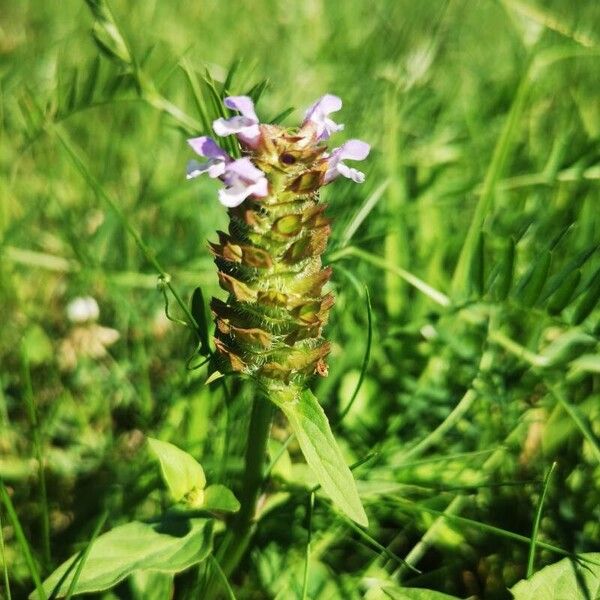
(270, 326)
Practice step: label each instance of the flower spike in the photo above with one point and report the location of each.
(270, 326)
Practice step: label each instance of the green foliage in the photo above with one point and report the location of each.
(182, 473)
(310, 426)
(564, 579)
(414, 594)
(477, 233)
(219, 498)
(167, 546)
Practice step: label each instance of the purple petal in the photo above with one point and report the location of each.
(214, 168)
(194, 168)
(234, 195)
(325, 105)
(260, 188)
(243, 104)
(242, 179)
(225, 127)
(244, 126)
(354, 174)
(354, 150)
(351, 150)
(243, 168)
(246, 130)
(207, 147)
(231, 197)
(317, 115)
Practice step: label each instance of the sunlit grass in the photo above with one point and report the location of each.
(476, 235)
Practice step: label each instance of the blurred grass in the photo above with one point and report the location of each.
(484, 119)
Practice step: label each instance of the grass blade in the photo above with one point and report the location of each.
(311, 507)
(85, 554)
(494, 171)
(578, 420)
(4, 562)
(22, 541)
(435, 295)
(386, 551)
(365, 210)
(366, 358)
(38, 451)
(536, 523)
(215, 563)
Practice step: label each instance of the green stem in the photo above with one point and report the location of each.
(236, 540)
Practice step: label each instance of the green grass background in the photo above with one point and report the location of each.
(484, 119)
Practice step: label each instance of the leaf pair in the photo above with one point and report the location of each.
(168, 545)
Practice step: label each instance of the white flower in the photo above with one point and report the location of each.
(82, 310)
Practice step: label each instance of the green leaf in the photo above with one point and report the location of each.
(181, 472)
(220, 498)
(397, 593)
(151, 585)
(106, 32)
(506, 272)
(589, 363)
(562, 580)
(588, 301)
(531, 284)
(311, 428)
(169, 547)
(558, 280)
(477, 267)
(562, 296)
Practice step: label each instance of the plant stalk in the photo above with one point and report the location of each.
(236, 540)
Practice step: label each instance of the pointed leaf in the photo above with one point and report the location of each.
(311, 428)
(531, 284)
(556, 281)
(562, 296)
(106, 32)
(588, 301)
(220, 498)
(564, 579)
(181, 472)
(398, 593)
(168, 547)
(505, 277)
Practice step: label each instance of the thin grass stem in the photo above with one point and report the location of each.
(538, 518)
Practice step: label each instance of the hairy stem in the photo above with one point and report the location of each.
(236, 540)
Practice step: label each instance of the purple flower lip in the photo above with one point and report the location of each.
(217, 158)
(246, 126)
(317, 116)
(242, 179)
(351, 150)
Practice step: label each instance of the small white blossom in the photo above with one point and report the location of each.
(82, 310)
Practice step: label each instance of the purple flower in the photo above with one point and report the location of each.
(217, 158)
(244, 126)
(242, 179)
(351, 150)
(317, 116)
